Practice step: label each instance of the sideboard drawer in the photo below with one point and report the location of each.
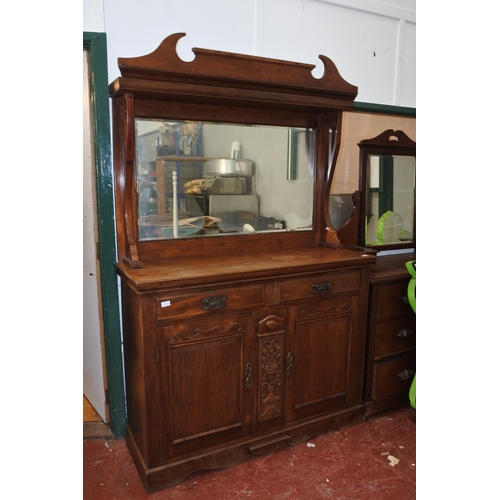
(170, 306)
(393, 300)
(302, 288)
(394, 336)
(393, 377)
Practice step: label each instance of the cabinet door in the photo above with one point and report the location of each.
(206, 379)
(324, 352)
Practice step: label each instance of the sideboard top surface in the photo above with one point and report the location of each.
(391, 266)
(207, 270)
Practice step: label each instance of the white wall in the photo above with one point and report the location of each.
(371, 43)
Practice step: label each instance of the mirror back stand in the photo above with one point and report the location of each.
(234, 344)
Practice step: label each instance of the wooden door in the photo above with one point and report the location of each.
(321, 356)
(206, 372)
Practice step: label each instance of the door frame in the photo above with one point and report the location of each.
(96, 44)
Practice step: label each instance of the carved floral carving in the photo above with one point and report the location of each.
(319, 310)
(270, 397)
(183, 336)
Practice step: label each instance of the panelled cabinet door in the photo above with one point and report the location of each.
(321, 348)
(206, 383)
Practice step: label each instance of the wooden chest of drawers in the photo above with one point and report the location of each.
(391, 341)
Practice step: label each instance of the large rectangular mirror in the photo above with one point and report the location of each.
(210, 179)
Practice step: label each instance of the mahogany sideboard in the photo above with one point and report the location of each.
(226, 361)
(248, 331)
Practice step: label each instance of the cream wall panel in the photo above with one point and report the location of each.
(356, 127)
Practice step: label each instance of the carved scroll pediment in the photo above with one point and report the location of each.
(390, 138)
(226, 69)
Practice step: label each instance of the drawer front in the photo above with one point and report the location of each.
(393, 377)
(393, 300)
(318, 285)
(321, 309)
(177, 305)
(394, 336)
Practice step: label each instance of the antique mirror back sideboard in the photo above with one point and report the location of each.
(244, 316)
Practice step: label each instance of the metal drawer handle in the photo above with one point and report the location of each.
(406, 374)
(404, 333)
(321, 287)
(214, 303)
(248, 375)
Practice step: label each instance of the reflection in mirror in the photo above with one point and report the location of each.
(211, 179)
(390, 199)
(388, 165)
(340, 208)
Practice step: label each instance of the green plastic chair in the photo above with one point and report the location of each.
(412, 298)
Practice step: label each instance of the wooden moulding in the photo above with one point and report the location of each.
(214, 69)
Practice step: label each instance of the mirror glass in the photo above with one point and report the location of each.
(390, 199)
(211, 179)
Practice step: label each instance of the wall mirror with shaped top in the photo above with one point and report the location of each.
(225, 154)
(388, 172)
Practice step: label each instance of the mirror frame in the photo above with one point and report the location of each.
(389, 142)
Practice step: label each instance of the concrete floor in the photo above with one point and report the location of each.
(375, 460)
